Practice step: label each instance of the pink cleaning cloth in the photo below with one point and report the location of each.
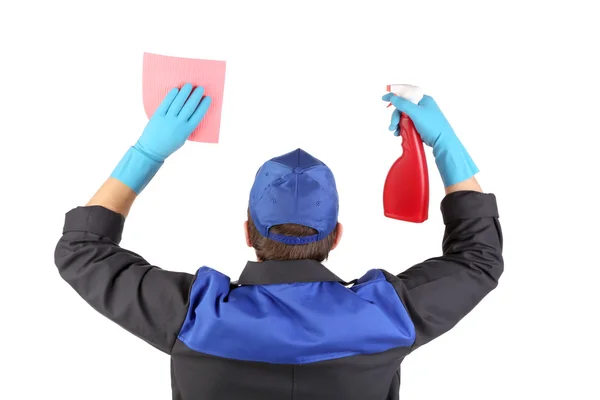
(162, 73)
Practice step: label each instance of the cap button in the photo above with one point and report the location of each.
(298, 170)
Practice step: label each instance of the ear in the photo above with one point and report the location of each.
(338, 235)
(247, 234)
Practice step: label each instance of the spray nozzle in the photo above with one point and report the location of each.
(411, 93)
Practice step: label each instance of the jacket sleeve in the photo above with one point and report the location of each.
(440, 291)
(147, 301)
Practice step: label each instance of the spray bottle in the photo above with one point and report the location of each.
(406, 189)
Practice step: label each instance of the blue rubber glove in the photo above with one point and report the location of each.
(451, 157)
(169, 128)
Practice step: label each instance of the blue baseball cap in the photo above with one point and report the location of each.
(295, 188)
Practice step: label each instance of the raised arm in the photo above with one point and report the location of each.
(144, 299)
(440, 291)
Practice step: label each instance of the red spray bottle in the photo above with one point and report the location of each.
(406, 189)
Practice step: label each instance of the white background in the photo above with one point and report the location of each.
(518, 80)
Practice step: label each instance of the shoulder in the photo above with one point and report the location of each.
(210, 276)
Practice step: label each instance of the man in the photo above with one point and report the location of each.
(288, 328)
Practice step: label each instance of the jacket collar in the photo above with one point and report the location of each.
(291, 271)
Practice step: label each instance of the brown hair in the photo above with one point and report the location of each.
(267, 249)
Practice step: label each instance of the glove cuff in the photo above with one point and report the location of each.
(136, 170)
(453, 161)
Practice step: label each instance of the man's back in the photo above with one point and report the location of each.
(313, 339)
